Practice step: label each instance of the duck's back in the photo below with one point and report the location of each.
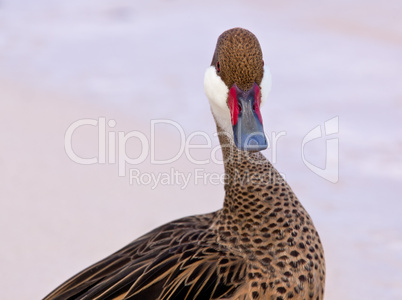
(179, 260)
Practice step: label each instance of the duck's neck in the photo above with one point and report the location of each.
(254, 190)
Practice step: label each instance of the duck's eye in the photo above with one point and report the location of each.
(253, 106)
(218, 67)
(239, 107)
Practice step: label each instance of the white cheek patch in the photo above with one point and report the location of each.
(217, 93)
(266, 84)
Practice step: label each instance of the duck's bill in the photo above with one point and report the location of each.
(246, 118)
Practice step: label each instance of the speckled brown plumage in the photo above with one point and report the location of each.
(239, 55)
(261, 245)
(263, 219)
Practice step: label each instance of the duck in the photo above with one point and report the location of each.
(262, 244)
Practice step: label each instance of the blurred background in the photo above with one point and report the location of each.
(136, 61)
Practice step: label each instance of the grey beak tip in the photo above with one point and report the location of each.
(252, 142)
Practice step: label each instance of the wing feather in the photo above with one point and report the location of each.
(180, 260)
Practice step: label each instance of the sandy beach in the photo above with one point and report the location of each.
(116, 67)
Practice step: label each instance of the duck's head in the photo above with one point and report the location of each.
(236, 84)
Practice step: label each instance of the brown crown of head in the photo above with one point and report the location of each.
(238, 58)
